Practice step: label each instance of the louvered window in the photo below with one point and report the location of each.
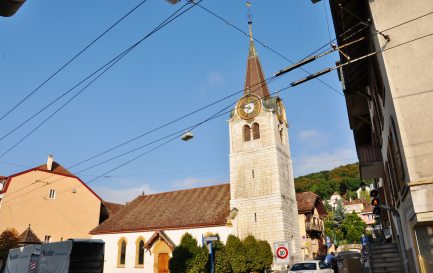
(256, 131)
(246, 131)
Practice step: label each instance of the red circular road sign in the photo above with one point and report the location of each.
(282, 252)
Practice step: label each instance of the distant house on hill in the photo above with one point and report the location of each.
(57, 204)
(334, 199)
(311, 213)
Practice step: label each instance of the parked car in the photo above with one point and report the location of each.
(314, 266)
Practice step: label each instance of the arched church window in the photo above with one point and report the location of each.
(121, 252)
(256, 131)
(281, 135)
(139, 254)
(246, 131)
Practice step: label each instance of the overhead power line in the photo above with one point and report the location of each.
(220, 113)
(71, 60)
(110, 64)
(265, 46)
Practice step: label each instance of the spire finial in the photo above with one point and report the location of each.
(250, 22)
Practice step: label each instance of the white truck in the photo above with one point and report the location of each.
(71, 256)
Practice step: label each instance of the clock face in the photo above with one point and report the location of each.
(281, 115)
(249, 106)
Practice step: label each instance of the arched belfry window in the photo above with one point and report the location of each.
(246, 132)
(121, 252)
(256, 131)
(139, 253)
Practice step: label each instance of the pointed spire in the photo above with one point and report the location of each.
(254, 74)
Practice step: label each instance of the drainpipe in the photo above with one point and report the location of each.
(400, 237)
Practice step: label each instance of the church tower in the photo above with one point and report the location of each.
(261, 176)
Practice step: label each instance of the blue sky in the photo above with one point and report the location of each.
(192, 62)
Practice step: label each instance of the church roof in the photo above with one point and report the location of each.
(29, 237)
(198, 207)
(255, 78)
(113, 207)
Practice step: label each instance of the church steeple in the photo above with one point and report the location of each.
(255, 74)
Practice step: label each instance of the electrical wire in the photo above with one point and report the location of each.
(113, 61)
(265, 46)
(276, 92)
(71, 60)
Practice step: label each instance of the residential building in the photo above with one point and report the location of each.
(311, 214)
(389, 99)
(333, 201)
(57, 204)
(354, 205)
(260, 199)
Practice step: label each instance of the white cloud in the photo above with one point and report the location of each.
(191, 182)
(313, 138)
(122, 195)
(323, 161)
(215, 78)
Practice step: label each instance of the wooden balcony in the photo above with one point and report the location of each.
(370, 162)
(315, 224)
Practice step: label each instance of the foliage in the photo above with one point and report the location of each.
(339, 213)
(249, 255)
(325, 183)
(365, 195)
(259, 254)
(8, 239)
(352, 227)
(184, 254)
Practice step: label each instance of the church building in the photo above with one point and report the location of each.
(260, 199)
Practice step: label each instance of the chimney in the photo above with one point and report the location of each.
(50, 163)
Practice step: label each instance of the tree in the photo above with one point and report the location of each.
(353, 227)
(339, 213)
(184, 254)
(8, 239)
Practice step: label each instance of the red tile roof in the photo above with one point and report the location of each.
(56, 168)
(198, 207)
(307, 201)
(113, 207)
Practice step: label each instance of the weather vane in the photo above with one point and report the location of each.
(249, 11)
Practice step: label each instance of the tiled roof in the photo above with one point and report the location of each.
(29, 237)
(306, 201)
(367, 209)
(207, 206)
(113, 207)
(56, 168)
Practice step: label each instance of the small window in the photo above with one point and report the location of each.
(121, 252)
(47, 239)
(52, 194)
(256, 131)
(281, 135)
(139, 259)
(246, 131)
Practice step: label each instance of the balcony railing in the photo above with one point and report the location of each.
(315, 224)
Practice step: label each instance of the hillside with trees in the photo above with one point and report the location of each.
(344, 179)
